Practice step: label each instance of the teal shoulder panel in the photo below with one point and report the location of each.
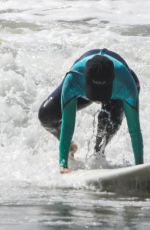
(124, 86)
(73, 86)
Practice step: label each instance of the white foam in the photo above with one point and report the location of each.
(39, 42)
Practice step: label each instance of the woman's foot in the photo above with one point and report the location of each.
(73, 149)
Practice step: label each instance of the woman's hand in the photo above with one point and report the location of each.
(73, 149)
(65, 170)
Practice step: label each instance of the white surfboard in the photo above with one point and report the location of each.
(118, 179)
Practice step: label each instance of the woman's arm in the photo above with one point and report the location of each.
(67, 129)
(132, 116)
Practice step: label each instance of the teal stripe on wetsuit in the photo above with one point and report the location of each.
(133, 122)
(124, 88)
(67, 129)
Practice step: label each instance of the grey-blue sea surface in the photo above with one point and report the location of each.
(30, 207)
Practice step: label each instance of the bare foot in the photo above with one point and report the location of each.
(73, 149)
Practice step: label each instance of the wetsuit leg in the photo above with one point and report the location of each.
(109, 121)
(50, 111)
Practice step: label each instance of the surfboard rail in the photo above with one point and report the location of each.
(112, 180)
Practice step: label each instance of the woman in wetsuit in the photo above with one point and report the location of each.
(102, 76)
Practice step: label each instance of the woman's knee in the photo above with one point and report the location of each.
(43, 116)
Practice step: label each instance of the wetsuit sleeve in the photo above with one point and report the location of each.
(132, 116)
(67, 129)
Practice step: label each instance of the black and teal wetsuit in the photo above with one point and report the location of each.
(59, 110)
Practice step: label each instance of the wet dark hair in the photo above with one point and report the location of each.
(99, 78)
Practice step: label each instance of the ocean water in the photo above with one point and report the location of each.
(39, 41)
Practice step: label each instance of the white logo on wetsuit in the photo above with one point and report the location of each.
(99, 82)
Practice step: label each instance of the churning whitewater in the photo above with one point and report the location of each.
(39, 41)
